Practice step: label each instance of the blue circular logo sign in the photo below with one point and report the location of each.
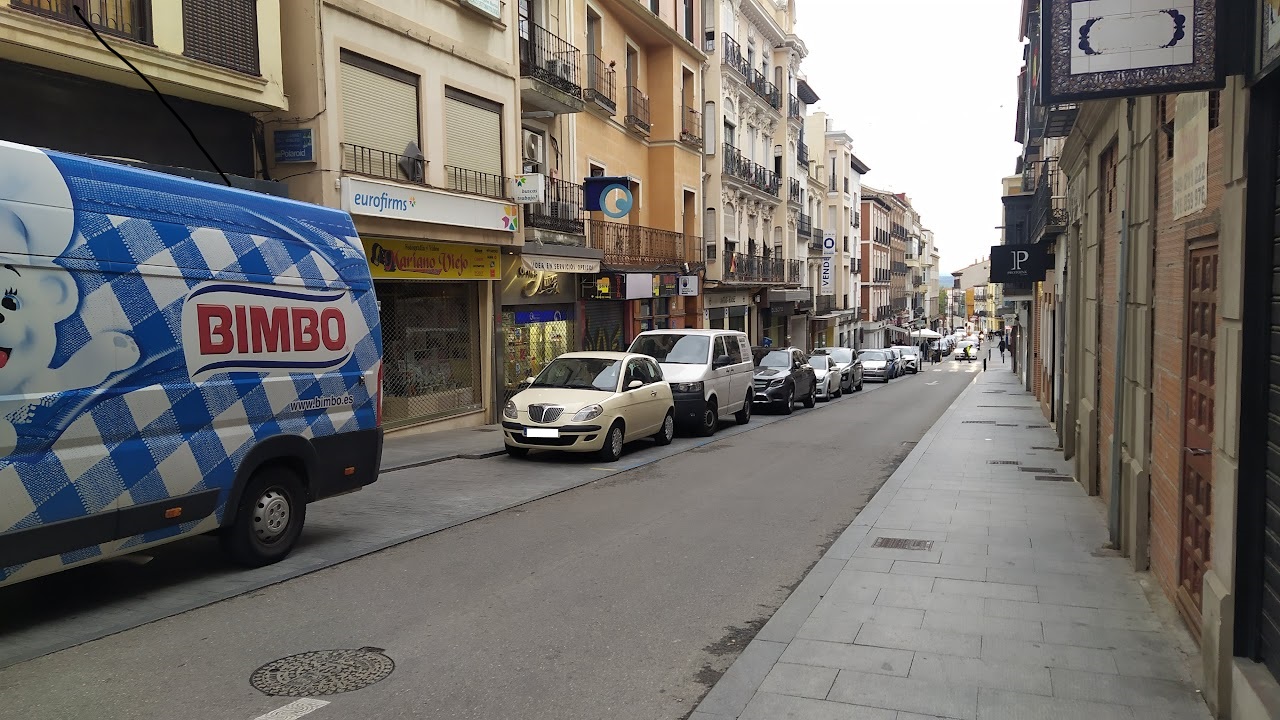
(623, 204)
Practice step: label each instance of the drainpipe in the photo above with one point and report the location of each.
(1122, 330)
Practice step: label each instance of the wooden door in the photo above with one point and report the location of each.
(1197, 456)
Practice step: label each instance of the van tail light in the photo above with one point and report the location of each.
(378, 415)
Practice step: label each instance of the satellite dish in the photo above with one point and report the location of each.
(411, 162)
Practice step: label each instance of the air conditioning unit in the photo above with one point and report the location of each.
(533, 147)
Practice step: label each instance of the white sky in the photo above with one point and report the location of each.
(928, 91)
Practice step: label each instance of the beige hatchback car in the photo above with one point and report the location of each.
(590, 402)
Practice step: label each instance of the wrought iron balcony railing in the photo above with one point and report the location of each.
(691, 127)
(734, 59)
(793, 190)
(551, 59)
(793, 106)
(804, 224)
(638, 110)
(467, 180)
(766, 89)
(802, 155)
(561, 211)
(383, 164)
(600, 84)
(824, 304)
(740, 267)
(638, 246)
(122, 18)
(816, 233)
(754, 174)
(1049, 205)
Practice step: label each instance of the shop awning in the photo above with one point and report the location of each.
(895, 328)
(559, 263)
(789, 295)
(829, 318)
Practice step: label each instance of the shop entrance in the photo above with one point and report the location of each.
(431, 350)
(534, 337)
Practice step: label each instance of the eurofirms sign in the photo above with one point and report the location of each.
(370, 198)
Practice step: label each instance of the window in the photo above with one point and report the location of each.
(721, 349)
(1108, 162)
(379, 105)
(688, 20)
(655, 314)
(1215, 108)
(473, 144)
(734, 350)
(655, 6)
(220, 32)
(124, 18)
(594, 170)
(730, 134)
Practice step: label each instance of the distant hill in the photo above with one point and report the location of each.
(946, 281)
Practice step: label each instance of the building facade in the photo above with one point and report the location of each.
(876, 313)
(839, 207)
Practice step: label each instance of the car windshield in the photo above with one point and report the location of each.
(910, 350)
(872, 355)
(675, 349)
(580, 373)
(843, 356)
(819, 362)
(776, 359)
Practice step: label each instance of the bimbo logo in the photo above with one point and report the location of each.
(229, 328)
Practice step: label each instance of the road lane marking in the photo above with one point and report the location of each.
(294, 710)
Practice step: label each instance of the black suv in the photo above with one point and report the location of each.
(782, 376)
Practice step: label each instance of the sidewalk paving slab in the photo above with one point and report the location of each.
(975, 585)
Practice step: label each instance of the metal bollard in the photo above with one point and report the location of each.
(984, 366)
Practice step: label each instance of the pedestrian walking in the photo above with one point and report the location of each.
(1003, 347)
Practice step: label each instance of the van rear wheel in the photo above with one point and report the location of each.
(269, 519)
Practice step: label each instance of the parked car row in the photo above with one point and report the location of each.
(668, 379)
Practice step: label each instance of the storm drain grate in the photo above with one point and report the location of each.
(1006, 424)
(1037, 469)
(323, 672)
(1042, 447)
(1055, 478)
(977, 422)
(1038, 427)
(993, 392)
(1003, 462)
(902, 543)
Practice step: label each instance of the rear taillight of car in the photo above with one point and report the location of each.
(378, 413)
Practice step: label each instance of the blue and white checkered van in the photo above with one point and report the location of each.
(175, 358)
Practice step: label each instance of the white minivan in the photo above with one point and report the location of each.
(710, 373)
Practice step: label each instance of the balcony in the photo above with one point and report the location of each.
(733, 57)
(465, 180)
(636, 246)
(765, 89)
(638, 111)
(857, 219)
(825, 304)
(1048, 214)
(793, 190)
(794, 111)
(601, 78)
(855, 265)
(362, 160)
(561, 212)
(122, 19)
(550, 71)
(691, 127)
(802, 155)
(814, 243)
(804, 225)
(1059, 119)
(816, 233)
(916, 281)
(740, 267)
(734, 165)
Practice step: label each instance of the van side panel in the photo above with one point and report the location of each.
(201, 322)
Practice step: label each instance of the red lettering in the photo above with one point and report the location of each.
(271, 331)
(333, 326)
(242, 330)
(206, 316)
(306, 329)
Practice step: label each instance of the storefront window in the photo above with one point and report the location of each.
(431, 350)
(533, 338)
(655, 314)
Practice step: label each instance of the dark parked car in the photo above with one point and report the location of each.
(846, 361)
(782, 376)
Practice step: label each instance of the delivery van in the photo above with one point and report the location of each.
(176, 358)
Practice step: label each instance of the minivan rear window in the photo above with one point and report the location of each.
(673, 348)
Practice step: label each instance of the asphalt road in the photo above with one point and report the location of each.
(623, 598)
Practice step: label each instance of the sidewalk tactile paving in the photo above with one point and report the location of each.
(1011, 608)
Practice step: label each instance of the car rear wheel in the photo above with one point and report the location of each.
(710, 419)
(743, 416)
(813, 396)
(668, 431)
(612, 449)
(269, 520)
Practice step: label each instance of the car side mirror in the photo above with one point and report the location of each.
(722, 361)
(635, 384)
(529, 380)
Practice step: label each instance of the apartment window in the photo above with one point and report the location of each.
(124, 18)
(1215, 108)
(473, 143)
(1108, 162)
(688, 20)
(379, 105)
(730, 134)
(655, 6)
(594, 170)
(220, 32)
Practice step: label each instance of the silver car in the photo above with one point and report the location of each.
(846, 361)
(829, 378)
(876, 365)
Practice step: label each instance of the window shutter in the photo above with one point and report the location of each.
(473, 137)
(378, 112)
(222, 32)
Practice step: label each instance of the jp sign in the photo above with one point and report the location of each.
(1019, 263)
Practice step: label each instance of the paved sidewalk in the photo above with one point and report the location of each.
(1010, 608)
(409, 449)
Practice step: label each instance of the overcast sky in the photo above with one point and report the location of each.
(928, 91)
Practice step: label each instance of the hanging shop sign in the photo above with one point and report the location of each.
(1017, 264)
(387, 200)
(529, 188)
(608, 195)
(522, 286)
(639, 286)
(688, 285)
(601, 287)
(1114, 48)
(412, 260)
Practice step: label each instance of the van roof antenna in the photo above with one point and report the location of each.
(160, 95)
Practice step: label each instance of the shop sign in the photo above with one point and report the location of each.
(1017, 264)
(412, 260)
(522, 286)
(1190, 154)
(492, 8)
(639, 286)
(827, 285)
(727, 299)
(688, 285)
(609, 195)
(666, 285)
(530, 317)
(294, 146)
(1117, 48)
(387, 200)
(547, 263)
(529, 188)
(601, 287)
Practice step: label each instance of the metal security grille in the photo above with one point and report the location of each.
(222, 32)
(602, 327)
(431, 350)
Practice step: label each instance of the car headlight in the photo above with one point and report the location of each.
(509, 410)
(776, 383)
(590, 412)
(687, 387)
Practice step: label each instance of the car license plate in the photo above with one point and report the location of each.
(542, 432)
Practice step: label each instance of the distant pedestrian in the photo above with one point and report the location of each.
(1003, 347)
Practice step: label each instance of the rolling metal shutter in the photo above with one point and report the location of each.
(602, 326)
(221, 32)
(379, 112)
(1269, 630)
(473, 134)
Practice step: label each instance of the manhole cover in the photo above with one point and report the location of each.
(1054, 478)
(902, 543)
(323, 672)
(1037, 469)
(1003, 462)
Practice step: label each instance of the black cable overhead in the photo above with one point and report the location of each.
(159, 94)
